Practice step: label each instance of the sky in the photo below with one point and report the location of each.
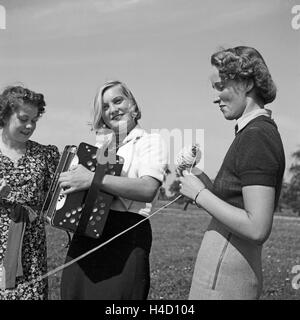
(66, 49)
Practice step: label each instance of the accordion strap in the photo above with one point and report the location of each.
(90, 199)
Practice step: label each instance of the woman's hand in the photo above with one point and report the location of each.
(79, 178)
(190, 185)
(4, 189)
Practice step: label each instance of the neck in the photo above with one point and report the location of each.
(252, 105)
(10, 143)
(122, 133)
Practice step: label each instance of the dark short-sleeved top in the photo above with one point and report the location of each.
(255, 157)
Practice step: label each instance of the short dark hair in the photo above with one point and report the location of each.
(242, 63)
(15, 96)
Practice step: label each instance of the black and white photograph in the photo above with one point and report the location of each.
(149, 151)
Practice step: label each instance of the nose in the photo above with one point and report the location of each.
(217, 100)
(29, 125)
(113, 109)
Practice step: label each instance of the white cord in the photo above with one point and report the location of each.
(106, 242)
(98, 247)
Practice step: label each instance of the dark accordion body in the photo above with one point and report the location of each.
(84, 212)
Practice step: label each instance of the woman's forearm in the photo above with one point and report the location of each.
(238, 221)
(138, 189)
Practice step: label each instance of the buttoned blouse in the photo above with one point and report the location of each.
(144, 154)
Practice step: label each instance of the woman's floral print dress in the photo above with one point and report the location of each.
(29, 179)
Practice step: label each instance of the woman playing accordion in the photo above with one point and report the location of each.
(119, 270)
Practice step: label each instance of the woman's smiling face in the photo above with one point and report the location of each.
(230, 95)
(118, 110)
(22, 123)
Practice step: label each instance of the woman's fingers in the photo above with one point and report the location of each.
(4, 188)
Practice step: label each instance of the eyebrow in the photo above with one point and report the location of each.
(26, 116)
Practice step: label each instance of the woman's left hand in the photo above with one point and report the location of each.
(79, 178)
(190, 185)
(4, 189)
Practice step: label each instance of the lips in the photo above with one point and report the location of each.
(26, 133)
(116, 116)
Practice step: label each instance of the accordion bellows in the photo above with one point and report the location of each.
(84, 212)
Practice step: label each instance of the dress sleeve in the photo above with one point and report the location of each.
(52, 158)
(153, 157)
(257, 162)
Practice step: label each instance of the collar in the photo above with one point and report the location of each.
(245, 119)
(136, 133)
(106, 137)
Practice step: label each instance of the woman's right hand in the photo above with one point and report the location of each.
(203, 177)
(4, 189)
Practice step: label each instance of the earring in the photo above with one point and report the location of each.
(134, 114)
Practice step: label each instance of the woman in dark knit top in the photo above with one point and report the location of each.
(246, 190)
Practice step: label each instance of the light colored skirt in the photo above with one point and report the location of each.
(227, 267)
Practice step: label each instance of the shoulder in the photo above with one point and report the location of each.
(44, 149)
(260, 131)
(152, 145)
(151, 141)
(150, 138)
(260, 125)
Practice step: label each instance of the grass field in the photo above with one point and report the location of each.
(177, 235)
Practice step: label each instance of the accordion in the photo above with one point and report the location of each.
(84, 212)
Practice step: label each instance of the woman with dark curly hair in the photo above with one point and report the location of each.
(26, 171)
(246, 190)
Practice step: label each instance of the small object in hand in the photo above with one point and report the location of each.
(188, 158)
(4, 189)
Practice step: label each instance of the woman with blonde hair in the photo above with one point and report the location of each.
(119, 270)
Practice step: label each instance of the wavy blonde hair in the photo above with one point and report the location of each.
(98, 102)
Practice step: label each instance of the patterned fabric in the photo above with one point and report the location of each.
(29, 179)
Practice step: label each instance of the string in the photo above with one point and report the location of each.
(65, 265)
(99, 246)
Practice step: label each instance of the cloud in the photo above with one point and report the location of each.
(240, 12)
(41, 20)
(79, 7)
(115, 5)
